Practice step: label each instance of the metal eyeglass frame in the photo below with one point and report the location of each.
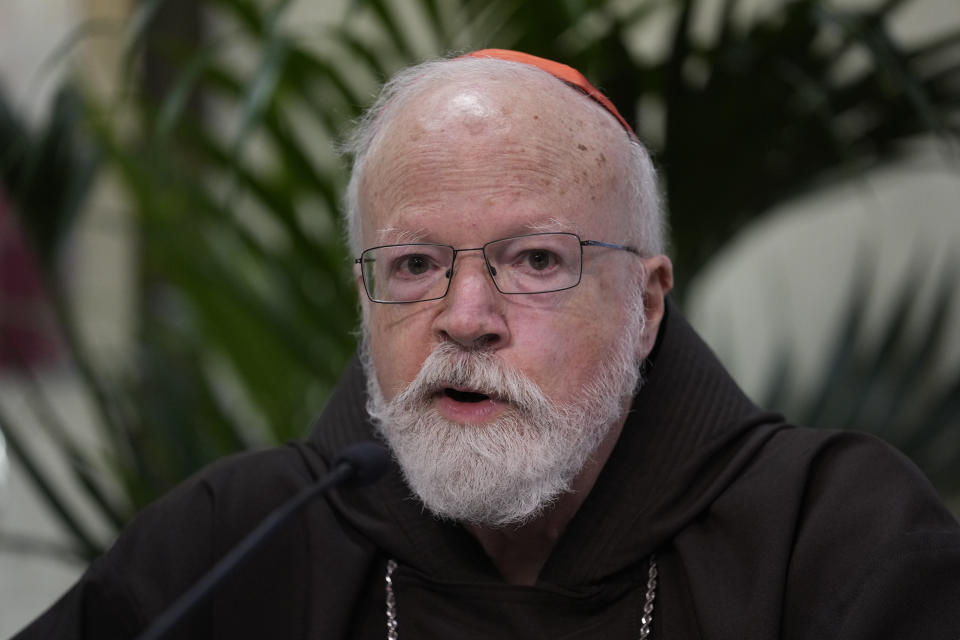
(490, 269)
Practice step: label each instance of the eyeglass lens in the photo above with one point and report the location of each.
(535, 263)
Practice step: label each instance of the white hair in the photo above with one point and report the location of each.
(649, 229)
(522, 462)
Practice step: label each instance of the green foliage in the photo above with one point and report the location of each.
(47, 173)
(246, 302)
(757, 110)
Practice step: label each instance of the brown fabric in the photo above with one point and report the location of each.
(761, 530)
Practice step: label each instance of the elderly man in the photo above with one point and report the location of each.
(571, 460)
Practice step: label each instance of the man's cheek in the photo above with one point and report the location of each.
(396, 367)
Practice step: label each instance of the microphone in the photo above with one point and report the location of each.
(367, 462)
(358, 464)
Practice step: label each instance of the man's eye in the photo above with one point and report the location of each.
(414, 265)
(540, 259)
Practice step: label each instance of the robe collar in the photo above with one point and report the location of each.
(689, 433)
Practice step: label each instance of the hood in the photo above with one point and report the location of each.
(689, 434)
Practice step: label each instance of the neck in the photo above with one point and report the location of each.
(520, 552)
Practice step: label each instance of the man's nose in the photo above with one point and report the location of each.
(473, 309)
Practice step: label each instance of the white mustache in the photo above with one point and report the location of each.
(477, 371)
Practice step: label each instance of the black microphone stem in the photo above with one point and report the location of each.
(162, 624)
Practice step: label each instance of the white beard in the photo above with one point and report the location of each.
(508, 471)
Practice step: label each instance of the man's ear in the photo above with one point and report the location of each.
(657, 276)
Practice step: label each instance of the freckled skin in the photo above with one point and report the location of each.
(469, 162)
(462, 165)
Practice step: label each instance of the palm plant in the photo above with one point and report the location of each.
(883, 380)
(30, 164)
(246, 306)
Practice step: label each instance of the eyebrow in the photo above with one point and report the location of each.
(553, 225)
(395, 235)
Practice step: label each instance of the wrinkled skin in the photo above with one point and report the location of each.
(477, 160)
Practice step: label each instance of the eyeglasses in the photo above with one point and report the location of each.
(532, 263)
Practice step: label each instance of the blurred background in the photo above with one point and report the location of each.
(173, 286)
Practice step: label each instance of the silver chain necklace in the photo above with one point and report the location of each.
(645, 620)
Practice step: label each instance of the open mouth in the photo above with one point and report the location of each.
(464, 396)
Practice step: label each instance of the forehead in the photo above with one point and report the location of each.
(495, 155)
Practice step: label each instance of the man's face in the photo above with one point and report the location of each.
(464, 165)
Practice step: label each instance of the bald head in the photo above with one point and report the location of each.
(474, 117)
(506, 165)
